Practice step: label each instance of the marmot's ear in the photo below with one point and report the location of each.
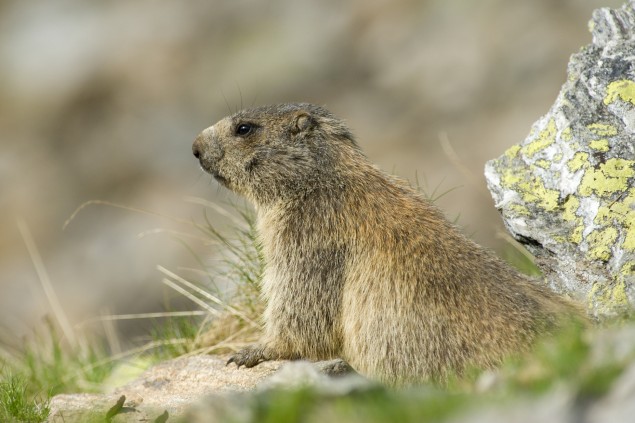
(302, 122)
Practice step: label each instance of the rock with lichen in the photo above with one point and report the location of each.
(568, 190)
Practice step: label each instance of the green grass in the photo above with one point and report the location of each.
(241, 255)
(51, 365)
(185, 329)
(376, 405)
(43, 366)
(16, 404)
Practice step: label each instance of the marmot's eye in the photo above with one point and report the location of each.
(243, 129)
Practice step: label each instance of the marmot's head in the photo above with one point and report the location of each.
(272, 152)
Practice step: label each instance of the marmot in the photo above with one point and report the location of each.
(357, 264)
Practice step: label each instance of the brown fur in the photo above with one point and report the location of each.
(357, 264)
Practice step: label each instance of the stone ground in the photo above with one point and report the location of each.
(170, 386)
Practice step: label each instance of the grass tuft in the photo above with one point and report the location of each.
(236, 322)
(181, 328)
(232, 314)
(50, 365)
(17, 405)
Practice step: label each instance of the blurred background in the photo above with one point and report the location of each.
(101, 100)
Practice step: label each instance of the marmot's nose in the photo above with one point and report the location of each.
(196, 148)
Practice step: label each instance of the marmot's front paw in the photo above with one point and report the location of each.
(249, 357)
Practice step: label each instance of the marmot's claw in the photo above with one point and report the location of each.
(248, 357)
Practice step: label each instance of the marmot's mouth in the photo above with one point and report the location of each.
(211, 169)
(218, 177)
(207, 168)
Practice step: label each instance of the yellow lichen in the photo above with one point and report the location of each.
(609, 298)
(620, 213)
(623, 89)
(531, 189)
(624, 212)
(600, 242)
(534, 191)
(545, 164)
(579, 160)
(604, 216)
(512, 151)
(559, 239)
(545, 138)
(600, 145)
(603, 129)
(510, 178)
(618, 294)
(570, 208)
(519, 209)
(611, 177)
(566, 134)
(629, 239)
(619, 168)
(576, 234)
(624, 206)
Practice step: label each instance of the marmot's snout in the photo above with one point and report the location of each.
(197, 147)
(208, 152)
(196, 150)
(205, 149)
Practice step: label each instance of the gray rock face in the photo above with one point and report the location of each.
(568, 190)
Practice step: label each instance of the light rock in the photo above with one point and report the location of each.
(567, 191)
(207, 387)
(291, 377)
(170, 386)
